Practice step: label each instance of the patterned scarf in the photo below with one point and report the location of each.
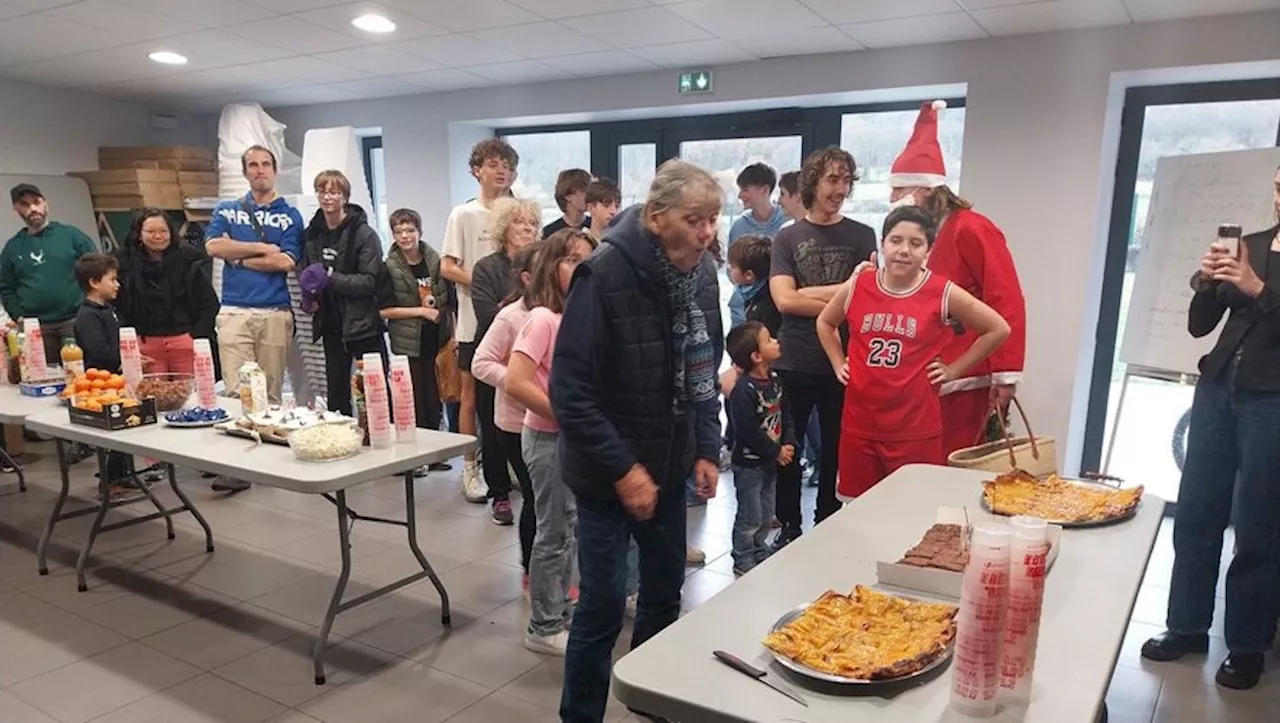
(694, 363)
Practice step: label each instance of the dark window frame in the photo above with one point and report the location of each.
(367, 145)
(1132, 119)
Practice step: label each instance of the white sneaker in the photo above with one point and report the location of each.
(694, 556)
(630, 610)
(473, 490)
(548, 644)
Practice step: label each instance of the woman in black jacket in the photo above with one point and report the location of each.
(344, 285)
(165, 292)
(1232, 473)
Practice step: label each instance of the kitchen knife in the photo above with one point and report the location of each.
(741, 666)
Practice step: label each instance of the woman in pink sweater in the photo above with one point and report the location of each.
(490, 367)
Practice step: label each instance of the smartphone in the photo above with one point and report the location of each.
(1229, 236)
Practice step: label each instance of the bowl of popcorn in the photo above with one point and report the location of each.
(327, 441)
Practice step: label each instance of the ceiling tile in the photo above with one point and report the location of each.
(338, 19)
(110, 65)
(557, 9)
(520, 71)
(798, 42)
(379, 60)
(467, 15)
(379, 87)
(638, 28)
(1050, 16)
(206, 13)
(309, 70)
(446, 79)
(732, 19)
(697, 52)
(125, 23)
(915, 31)
(285, 7)
(36, 37)
(539, 40)
(609, 62)
(1152, 10)
(298, 96)
(454, 51)
(843, 11)
(296, 35)
(216, 48)
(241, 78)
(983, 4)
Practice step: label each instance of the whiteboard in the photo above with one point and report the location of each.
(1191, 197)
(68, 199)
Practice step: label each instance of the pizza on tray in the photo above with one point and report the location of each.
(866, 635)
(1056, 499)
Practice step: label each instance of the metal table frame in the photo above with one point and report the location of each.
(17, 468)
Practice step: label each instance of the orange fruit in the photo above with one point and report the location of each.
(130, 403)
(92, 406)
(83, 385)
(115, 381)
(104, 375)
(98, 384)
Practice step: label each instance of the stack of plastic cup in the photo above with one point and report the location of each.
(206, 395)
(401, 382)
(377, 403)
(130, 357)
(33, 354)
(1029, 553)
(980, 626)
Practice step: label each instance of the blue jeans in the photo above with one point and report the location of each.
(1232, 475)
(604, 533)
(756, 488)
(551, 561)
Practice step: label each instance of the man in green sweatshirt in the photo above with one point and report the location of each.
(37, 265)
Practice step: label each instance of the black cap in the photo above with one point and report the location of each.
(23, 189)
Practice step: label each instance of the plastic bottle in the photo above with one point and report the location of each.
(33, 351)
(1029, 554)
(377, 403)
(402, 399)
(72, 360)
(984, 595)
(130, 358)
(253, 388)
(206, 395)
(358, 408)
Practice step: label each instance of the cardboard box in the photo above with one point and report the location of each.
(134, 189)
(109, 164)
(133, 175)
(197, 178)
(188, 164)
(50, 388)
(132, 203)
(116, 416)
(945, 582)
(152, 153)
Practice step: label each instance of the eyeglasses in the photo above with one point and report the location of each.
(330, 194)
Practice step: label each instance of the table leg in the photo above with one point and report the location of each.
(17, 469)
(173, 484)
(104, 504)
(335, 602)
(41, 563)
(142, 485)
(411, 519)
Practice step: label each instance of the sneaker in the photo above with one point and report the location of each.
(501, 513)
(228, 485)
(473, 490)
(787, 535)
(554, 644)
(739, 572)
(630, 610)
(439, 467)
(694, 556)
(420, 472)
(77, 452)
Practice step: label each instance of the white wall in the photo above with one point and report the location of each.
(1035, 159)
(51, 131)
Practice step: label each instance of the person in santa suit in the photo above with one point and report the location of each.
(972, 252)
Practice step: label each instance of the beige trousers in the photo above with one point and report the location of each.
(254, 335)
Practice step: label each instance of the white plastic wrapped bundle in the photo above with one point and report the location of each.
(247, 124)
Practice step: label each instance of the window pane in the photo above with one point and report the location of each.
(875, 140)
(636, 164)
(1152, 409)
(379, 192)
(726, 157)
(542, 157)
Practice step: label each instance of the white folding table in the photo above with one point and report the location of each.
(15, 407)
(271, 465)
(1089, 597)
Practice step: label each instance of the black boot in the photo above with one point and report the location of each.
(1241, 671)
(1169, 646)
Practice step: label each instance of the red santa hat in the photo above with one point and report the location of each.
(920, 163)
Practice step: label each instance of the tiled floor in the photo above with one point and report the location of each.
(168, 634)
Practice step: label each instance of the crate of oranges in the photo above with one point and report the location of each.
(99, 399)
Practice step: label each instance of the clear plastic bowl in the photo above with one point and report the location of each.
(171, 390)
(326, 442)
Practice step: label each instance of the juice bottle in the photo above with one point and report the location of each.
(72, 360)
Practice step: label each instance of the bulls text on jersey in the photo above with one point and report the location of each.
(899, 324)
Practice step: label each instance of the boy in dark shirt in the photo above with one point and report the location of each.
(749, 260)
(98, 334)
(764, 440)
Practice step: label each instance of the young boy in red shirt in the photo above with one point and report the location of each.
(899, 319)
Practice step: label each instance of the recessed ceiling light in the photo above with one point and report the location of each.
(374, 23)
(168, 57)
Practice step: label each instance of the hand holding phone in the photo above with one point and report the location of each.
(1229, 238)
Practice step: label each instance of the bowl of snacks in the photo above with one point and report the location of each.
(326, 442)
(170, 390)
(196, 417)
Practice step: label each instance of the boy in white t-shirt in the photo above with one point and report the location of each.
(466, 240)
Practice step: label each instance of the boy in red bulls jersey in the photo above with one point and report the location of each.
(900, 319)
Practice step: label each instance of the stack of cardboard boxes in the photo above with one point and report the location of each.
(159, 176)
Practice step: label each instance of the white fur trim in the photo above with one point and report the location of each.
(1003, 378)
(965, 385)
(916, 180)
(939, 104)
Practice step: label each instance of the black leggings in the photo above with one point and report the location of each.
(510, 442)
(339, 359)
(806, 393)
(426, 394)
(494, 460)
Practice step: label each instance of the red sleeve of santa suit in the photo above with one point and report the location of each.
(983, 248)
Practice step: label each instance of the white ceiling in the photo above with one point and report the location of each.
(289, 52)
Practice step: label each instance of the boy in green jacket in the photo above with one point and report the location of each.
(37, 270)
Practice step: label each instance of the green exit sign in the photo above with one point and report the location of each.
(696, 82)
